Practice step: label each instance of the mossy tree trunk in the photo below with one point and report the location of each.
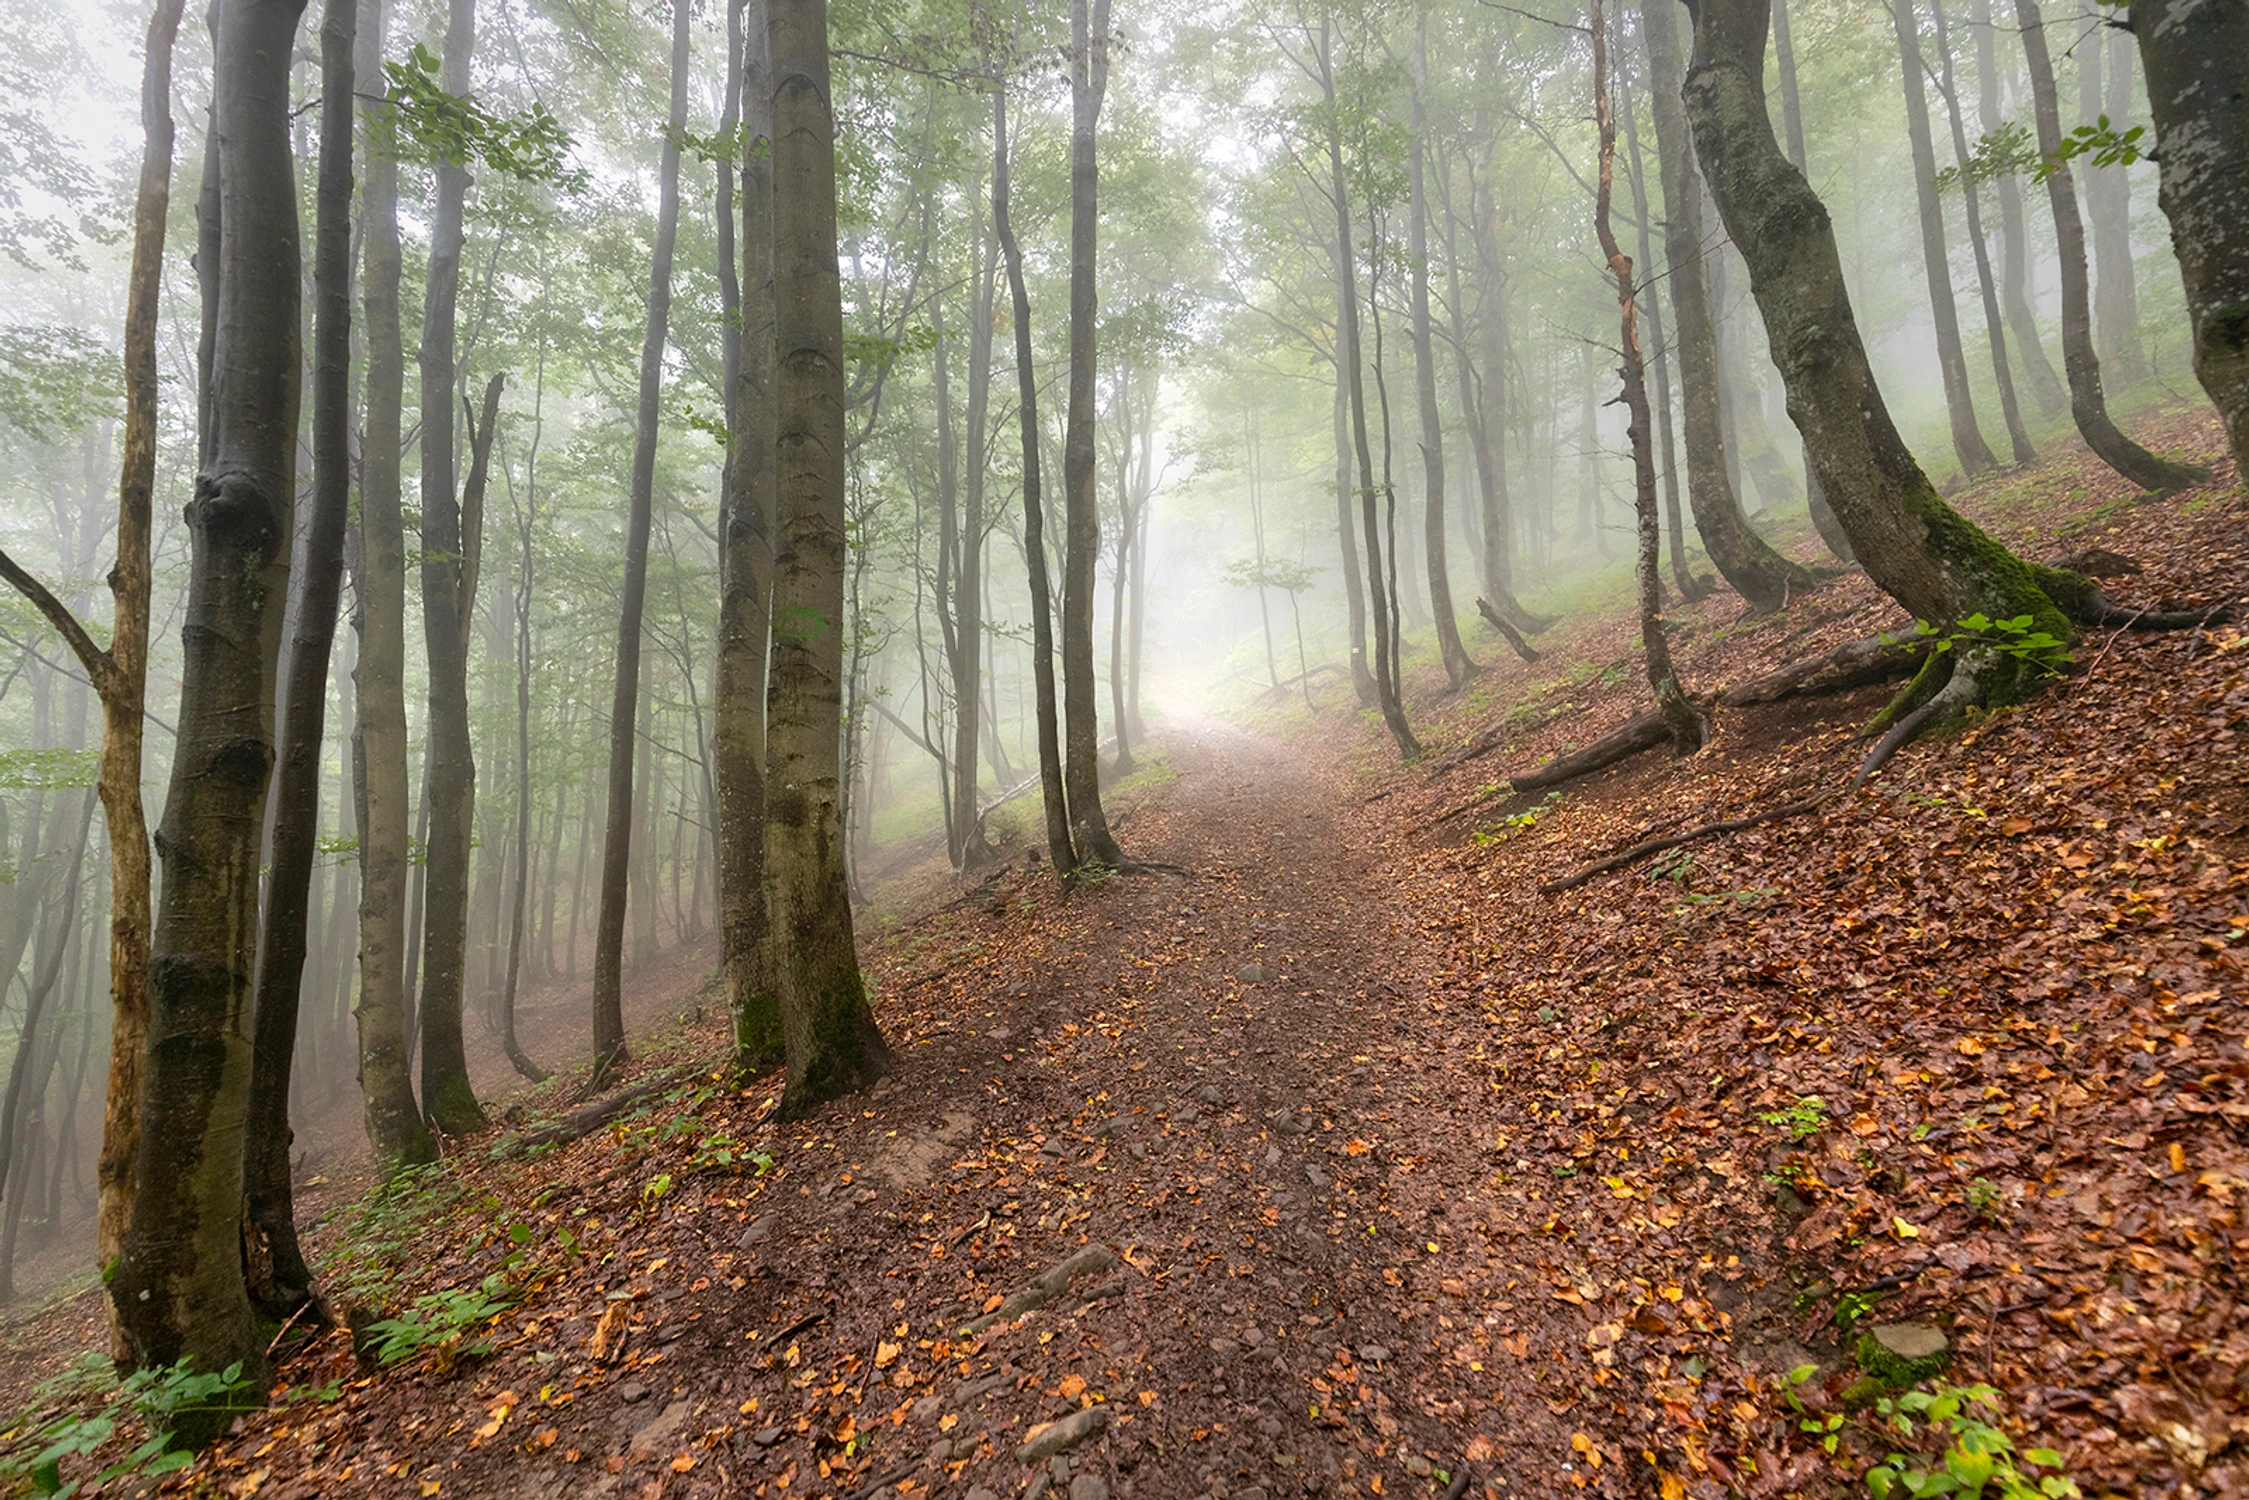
(1920, 551)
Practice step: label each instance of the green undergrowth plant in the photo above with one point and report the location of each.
(1977, 1460)
(46, 1449)
(444, 1323)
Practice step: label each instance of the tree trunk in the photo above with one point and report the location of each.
(616, 846)
(1458, 668)
(1380, 593)
(1975, 455)
(1995, 324)
(280, 1281)
(745, 594)
(1744, 559)
(519, 905)
(968, 587)
(394, 1123)
(2046, 394)
(1663, 678)
(1060, 846)
(1921, 552)
(1682, 572)
(2087, 405)
(450, 759)
(2191, 51)
(832, 1043)
(1081, 721)
(1346, 531)
(179, 1288)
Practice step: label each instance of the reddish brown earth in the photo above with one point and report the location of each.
(1383, 1173)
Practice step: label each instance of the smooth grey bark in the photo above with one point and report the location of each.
(1061, 848)
(179, 1287)
(831, 1041)
(280, 1280)
(526, 578)
(1081, 718)
(449, 544)
(745, 589)
(2198, 97)
(1995, 324)
(1968, 442)
(2088, 406)
(1748, 563)
(967, 544)
(616, 847)
(393, 1120)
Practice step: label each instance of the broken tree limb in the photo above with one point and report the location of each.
(1505, 627)
(588, 1118)
(1645, 849)
(1854, 664)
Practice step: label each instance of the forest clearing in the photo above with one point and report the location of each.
(1293, 747)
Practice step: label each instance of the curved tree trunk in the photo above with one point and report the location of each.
(617, 838)
(832, 1042)
(2199, 100)
(1920, 551)
(179, 1288)
(280, 1281)
(1744, 559)
(2046, 394)
(2087, 405)
(1975, 455)
(2106, 89)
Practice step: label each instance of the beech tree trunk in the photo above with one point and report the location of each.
(1975, 455)
(1060, 846)
(1081, 718)
(449, 759)
(280, 1281)
(616, 847)
(967, 542)
(2105, 88)
(1747, 562)
(179, 1288)
(1920, 551)
(2199, 100)
(2087, 405)
(832, 1043)
(745, 593)
(2046, 395)
(1458, 667)
(1679, 716)
(394, 1123)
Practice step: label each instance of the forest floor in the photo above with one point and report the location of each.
(1349, 1162)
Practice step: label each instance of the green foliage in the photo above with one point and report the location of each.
(1984, 1197)
(2008, 151)
(2108, 146)
(51, 770)
(54, 380)
(174, 1403)
(1514, 823)
(1805, 1118)
(2019, 638)
(456, 130)
(1271, 573)
(1978, 1458)
(443, 1322)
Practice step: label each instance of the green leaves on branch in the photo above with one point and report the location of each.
(53, 770)
(1979, 1460)
(1270, 573)
(173, 1401)
(440, 128)
(2019, 638)
(2108, 146)
(2010, 151)
(54, 380)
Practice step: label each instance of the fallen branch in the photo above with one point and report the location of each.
(1640, 851)
(1500, 623)
(588, 1118)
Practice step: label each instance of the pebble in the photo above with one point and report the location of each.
(1225, 1348)
(1254, 1492)
(1270, 1426)
(1417, 1466)
(761, 1229)
(1272, 1156)
(1253, 1335)
(929, 1406)
(940, 1451)
(1251, 974)
(1089, 1487)
(1289, 1124)
(1137, 1151)
(1209, 1094)
(1059, 1468)
(1373, 1353)
(632, 1391)
(1316, 1177)
(1187, 1115)
(1067, 1433)
(980, 1493)
(766, 1437)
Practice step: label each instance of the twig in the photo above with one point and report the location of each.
(1640, 851)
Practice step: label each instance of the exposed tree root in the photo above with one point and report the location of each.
(1505, 627)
